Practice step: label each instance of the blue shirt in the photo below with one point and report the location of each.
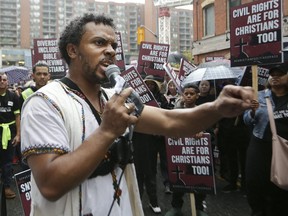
(261, 118)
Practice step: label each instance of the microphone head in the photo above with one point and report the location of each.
(112, 70)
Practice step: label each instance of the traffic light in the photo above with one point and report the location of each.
(140, 34)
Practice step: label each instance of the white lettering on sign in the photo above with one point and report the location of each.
(200, 170)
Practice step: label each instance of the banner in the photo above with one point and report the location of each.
(151, 58)
(24, 187)
(47, 50)
(173, 76)
(246, 78)
(190, 164)
(134, 79)
(185, 69)
(120, 58)
(255, 33)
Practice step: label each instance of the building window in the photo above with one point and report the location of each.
(209, 20)
(230, 4)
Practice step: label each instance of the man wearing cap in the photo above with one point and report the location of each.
(264, 197)
(9, 132)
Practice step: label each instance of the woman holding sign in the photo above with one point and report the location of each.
(264, 197)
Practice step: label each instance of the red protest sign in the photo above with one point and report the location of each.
(47, 50)
(255, 33)
(134, 79)
(262, 76)
(151, 58)
(185, 69)
(174, 76)
(120, 59)
(190, 164)
(24, 187)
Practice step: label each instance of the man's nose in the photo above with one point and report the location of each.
(110, 51)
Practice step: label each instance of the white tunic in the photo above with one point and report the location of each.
(57, 122)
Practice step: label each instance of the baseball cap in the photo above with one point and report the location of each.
(282, 67)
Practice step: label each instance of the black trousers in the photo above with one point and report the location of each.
(264, 198)
(145, 152)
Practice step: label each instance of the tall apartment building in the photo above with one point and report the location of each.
(21, 21)
(181, 30)
(9, 21)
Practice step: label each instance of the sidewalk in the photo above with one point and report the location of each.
(221, 204)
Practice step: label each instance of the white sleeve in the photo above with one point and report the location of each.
(42, 129)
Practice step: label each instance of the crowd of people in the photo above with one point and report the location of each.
(73, 132)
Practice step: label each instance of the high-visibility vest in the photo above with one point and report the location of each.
(27, 93)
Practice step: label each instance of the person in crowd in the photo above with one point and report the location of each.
(146, 149)
(72, 127)
(205, 89)
(155, 87)
(235, 137)
(19, 90)
(264, 197)
(233, 140)
(40, 76)
(221, 135)
(205, 96)
(171, 94)
(9, 132)
(205, 92)
(189, 98)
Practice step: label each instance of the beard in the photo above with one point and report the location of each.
(92, 74)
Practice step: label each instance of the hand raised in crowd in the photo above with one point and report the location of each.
(254, 107)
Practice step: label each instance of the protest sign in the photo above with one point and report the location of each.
(120, 58)
(133, 78)
(47, 50)
(262, 76)
(185, 69)
(24, 188)
(174, 77)
(255, 33)
(151, 58)
(190, 164)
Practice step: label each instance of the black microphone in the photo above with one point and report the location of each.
(113, 74)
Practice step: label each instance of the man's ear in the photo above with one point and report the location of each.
(72, 50)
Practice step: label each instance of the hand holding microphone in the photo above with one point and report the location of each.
(119, 83)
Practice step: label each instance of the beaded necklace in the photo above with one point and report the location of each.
(98, 115)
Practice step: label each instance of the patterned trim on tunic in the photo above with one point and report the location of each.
(48, 148)
(43, 149)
